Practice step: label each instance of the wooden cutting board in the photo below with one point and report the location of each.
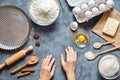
(113, 13)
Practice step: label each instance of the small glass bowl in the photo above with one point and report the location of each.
(77, 42)
(110, 77)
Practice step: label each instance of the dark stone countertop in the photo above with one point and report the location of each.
(54, 39)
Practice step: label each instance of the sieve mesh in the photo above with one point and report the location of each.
(14, 27)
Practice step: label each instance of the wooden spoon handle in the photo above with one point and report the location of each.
(109, 42)
(108, 50)
(2, 66)
(18, 69)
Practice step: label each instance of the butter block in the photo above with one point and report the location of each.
(111, 27)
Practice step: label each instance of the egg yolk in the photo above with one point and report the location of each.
(81, 38)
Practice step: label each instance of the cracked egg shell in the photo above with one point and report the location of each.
(84, 7)
(102, 7)
(74, 26)
(95, 10)
(76, 10)
(88, 14)
(110, 3)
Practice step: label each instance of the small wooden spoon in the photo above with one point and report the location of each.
(31, 61)
(98, 45)
(103, 52)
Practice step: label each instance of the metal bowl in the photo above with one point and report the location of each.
(14, 27)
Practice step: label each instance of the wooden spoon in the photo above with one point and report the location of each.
(98, 45)
(31, 61)
(94, 55)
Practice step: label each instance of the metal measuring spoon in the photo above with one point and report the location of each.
(98, 45)
(31, 61)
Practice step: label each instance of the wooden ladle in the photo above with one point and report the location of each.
(31, 61)
(98, 45)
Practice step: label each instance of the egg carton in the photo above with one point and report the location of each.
(84, 10)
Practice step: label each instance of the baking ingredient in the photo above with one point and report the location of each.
(111, 27)
(88, 14)
(28, 70)
(34, 59)
(37, 44)
(84, 7)
(91, 3)
(44, 11)
(110, 3)
(23, 74)
(74, 26)
(81, 38)
(89, 55)
(102, 7)
(108, 65)
(19, 55)
(76, 10)
(95, 10)
(36, 36)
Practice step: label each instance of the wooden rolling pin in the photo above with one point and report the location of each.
(17, 56)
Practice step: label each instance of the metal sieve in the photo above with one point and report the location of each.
(14, 27)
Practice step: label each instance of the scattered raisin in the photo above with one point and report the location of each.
(37, 44)
(36, 36)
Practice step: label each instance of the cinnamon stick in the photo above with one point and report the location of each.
(23, 74)
(28, 70)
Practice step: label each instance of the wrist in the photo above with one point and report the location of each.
(70, 75)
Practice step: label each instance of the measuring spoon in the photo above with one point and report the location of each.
(92, 56)
(31, 61)
(98, 45)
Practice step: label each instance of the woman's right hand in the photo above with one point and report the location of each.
(70, 64)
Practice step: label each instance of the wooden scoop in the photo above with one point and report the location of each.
(103, 52)
(98, 45)
(31, 61)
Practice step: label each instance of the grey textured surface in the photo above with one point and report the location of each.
(54, 39)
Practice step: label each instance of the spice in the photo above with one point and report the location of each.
(36, 36)
(37, 44)
(28, 70)
(23, 74)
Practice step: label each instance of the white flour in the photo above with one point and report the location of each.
(44, 11)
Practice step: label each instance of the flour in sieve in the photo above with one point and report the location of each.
(44, 11)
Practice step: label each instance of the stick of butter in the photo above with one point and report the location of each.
(111, 27)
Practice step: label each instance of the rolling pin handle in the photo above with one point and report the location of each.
(2, 66)
(30, 48)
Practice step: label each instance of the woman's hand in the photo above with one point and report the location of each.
(48, 68)
(70, 64)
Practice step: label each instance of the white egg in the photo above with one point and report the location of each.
(76, 10)
(95, 10)
(110, 3)
(91, 3)
(88, 14)
(98, 1)
(84, 7)
(102, 7)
